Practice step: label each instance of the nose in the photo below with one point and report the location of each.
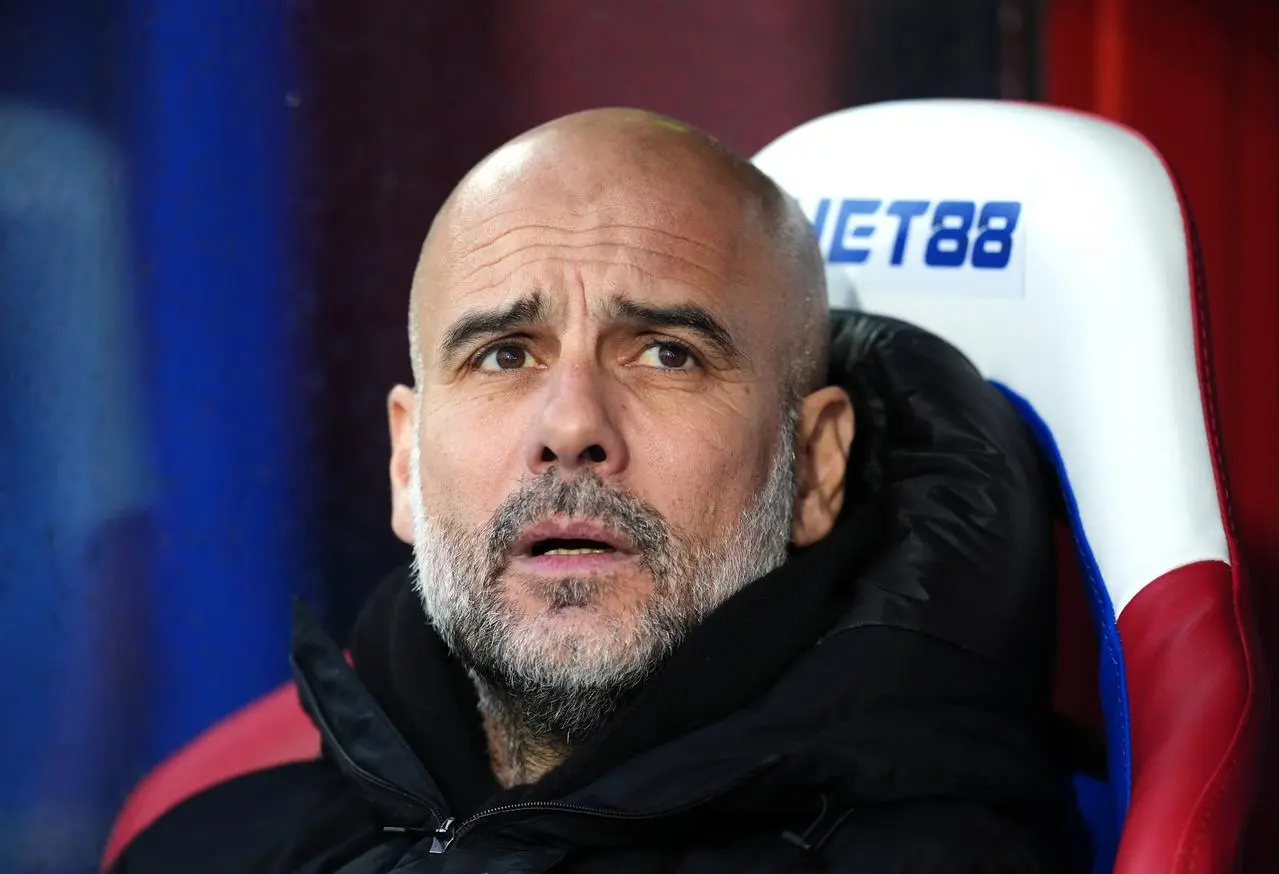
(574, 429)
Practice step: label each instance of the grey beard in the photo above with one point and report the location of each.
(545, 694)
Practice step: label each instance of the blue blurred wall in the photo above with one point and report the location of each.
(152, 442)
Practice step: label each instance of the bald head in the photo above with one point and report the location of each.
(624, 162)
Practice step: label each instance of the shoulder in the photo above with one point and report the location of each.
(943, 837)
(268, 732)
(242, 823)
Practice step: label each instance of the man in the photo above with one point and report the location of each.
(623, 474)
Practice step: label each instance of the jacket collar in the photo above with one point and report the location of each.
(404, 724)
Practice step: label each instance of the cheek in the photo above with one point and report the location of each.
(468, 451)
(701, 465)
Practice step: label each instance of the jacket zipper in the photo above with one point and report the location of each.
(448, 833)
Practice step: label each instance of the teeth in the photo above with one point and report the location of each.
(584, 551)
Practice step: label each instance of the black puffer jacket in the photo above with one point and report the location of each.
(879, 705)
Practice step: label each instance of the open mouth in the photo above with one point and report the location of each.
(570, 546)
(572, 538)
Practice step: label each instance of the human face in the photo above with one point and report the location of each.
(601, 422)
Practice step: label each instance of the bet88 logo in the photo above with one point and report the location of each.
(934, 234)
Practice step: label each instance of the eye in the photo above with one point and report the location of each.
(507, 356)
(668, 355)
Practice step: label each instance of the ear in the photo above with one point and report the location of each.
(401, 410)
(823, 437)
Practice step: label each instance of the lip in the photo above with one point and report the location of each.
(571, 529)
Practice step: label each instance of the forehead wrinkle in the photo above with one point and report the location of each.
(530, 255)
(655, 277)
(597, 229)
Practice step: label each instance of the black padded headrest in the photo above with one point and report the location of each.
(968, 554)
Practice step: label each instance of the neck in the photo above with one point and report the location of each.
(531, 730)
(520, 750)
(517, 758)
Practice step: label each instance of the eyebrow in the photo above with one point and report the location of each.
(686, 316)
(532, 310)
(526, 311)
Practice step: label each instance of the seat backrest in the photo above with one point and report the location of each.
(1054, 250)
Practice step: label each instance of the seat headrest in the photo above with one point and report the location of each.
(1052, 250)
(964, 498)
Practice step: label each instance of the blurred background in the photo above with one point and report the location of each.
(209, 215)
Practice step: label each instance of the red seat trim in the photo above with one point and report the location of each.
(1197, 720)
